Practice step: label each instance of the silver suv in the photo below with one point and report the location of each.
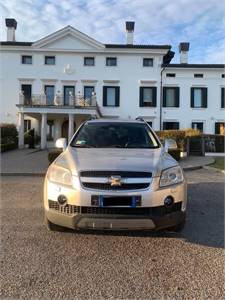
(115, 175)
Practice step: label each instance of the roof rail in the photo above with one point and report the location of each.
(140, 119)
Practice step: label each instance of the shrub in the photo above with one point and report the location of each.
(53, 154)
(180, 136)
(175, 153)
(8, 133)
(8, 146)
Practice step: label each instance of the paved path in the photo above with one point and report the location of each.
(37, 264)
(26, 161)
(31, 161)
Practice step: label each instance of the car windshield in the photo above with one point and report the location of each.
(114, 135)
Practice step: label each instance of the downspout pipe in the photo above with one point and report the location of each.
(166, 61)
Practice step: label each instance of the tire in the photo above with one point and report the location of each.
(51, 226)
(177, 228)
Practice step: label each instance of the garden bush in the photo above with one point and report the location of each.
(53, 154)
(9, 137)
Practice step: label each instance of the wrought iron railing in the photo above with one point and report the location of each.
(57, 101)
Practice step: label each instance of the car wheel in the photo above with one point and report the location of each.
(51, 226)
(177, 228)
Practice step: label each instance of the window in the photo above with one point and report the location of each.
(223, 97)
(170, 125)
(50, 130)
(69, 95)
(27, 125)
(223, 75)
(220, 128)
(148, 96)
(198, 75)
(199, 97)
(111, 61)
(27, 93)
(147, 62)
(89, 61)
(197, 125)
(171, 96)
(49, 60)
(170, 75)
(88, 92)
(111, 96)
(26, 59)
(50, 94)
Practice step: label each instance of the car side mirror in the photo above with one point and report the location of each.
(61, 143)
(170, 144)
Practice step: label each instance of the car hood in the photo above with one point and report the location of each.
(148, 160)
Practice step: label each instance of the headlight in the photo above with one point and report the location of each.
(171, 176)
(60, 175)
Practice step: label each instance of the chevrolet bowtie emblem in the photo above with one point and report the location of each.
(115, 180)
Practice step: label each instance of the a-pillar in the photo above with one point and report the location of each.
(71, 126)
(21, 130)
(43, 130)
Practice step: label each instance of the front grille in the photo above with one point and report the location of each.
(66, 209)
(126, 174)
(141, 211)
(107, 186)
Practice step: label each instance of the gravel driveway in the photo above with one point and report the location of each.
(37, 264)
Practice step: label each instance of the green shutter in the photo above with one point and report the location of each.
(204, 97)
(177, 97)
(192, 97)
(164, 96)
(222, 97)
(141, 96)
(117, 102)
(104, 95)
(154, 96)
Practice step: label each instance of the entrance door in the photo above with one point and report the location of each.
(50, 94)
(69, 91)
(27, 91)
(88, 90)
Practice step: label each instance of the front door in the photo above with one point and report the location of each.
(50, 94)
(69, 91)
(27, 91)
(88, 90)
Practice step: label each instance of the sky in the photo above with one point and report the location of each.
(200, 22)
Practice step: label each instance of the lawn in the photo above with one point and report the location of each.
(219, 163)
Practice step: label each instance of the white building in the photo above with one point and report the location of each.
(59, 81)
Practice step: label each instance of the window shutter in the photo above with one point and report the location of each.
(154, 96)
(141, 97)
(177, 97)
(117, 102)
(222, 98)
(204, 97)
(217, 128)
(192, 97)
(104, 96)
(164, 96)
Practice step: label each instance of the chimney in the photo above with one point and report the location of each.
(183, 49)
(11, 28)
(130, 32)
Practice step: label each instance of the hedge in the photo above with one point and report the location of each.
(9, 133)
(53, 154)
(8, 146)
(178, 135)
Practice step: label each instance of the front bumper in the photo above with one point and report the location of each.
(115, 222)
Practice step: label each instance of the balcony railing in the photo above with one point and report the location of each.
(57, 101)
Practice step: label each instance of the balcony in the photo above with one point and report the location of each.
(41, 100)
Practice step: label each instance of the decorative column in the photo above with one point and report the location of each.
(71, 126)
(21, 130)
(43, 130)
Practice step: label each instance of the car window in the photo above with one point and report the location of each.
(115, 135)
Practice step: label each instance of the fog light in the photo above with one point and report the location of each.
(168, 201)
(62, 200)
